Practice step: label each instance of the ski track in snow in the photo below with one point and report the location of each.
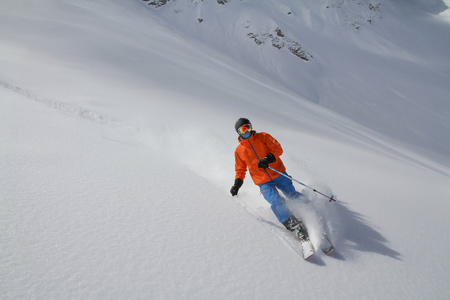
(68, 109)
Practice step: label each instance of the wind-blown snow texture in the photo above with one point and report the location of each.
(117, 146)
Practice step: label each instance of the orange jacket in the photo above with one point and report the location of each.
(250, 151)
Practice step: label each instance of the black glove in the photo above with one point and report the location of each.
(237, 185)
(264, 162)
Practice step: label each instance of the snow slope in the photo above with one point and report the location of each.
(117, 148)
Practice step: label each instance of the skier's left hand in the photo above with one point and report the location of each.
(264, 162)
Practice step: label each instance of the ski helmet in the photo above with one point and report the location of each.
(240, 122)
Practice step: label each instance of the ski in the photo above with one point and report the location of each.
(307, 248)
(302, 234)
(327, 247)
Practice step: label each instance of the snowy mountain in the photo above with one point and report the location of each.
(342, 55)
(117, 145)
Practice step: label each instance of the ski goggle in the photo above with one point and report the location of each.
(245, 128)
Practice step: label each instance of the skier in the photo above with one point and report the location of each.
(255, 152)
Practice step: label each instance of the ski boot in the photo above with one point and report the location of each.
(296, 226)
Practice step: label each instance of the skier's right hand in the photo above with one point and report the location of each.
(237, 185)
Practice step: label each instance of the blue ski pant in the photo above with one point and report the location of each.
(270, 192)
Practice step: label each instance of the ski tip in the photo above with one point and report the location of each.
(307, 253)
(308, 257)
(328, 251)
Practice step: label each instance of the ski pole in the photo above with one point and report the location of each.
(285, 175)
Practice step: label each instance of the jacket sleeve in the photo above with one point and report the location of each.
(273, 145)
(240, 166)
